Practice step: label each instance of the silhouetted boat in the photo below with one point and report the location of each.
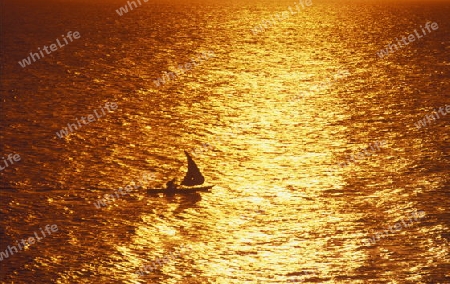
(192, 178)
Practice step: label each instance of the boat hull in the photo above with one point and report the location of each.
(186, 190)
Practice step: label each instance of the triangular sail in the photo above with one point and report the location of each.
(193, 175)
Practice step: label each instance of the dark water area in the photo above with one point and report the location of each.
(330, 163)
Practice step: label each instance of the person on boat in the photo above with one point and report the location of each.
(171, 186)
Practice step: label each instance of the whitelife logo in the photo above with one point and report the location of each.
(430, 118)
(327, 83)
(183, 68)
(359, 156)
(28, 242)
(124, 9)
(110, 198)
(393, 229)
(53, 47)
(66, 131)
(385, 52)
(265, 24)
(163, 260)
(11, 157)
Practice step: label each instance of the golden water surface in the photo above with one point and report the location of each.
(267, 119)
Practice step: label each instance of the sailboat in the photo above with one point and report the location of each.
(190, 183)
